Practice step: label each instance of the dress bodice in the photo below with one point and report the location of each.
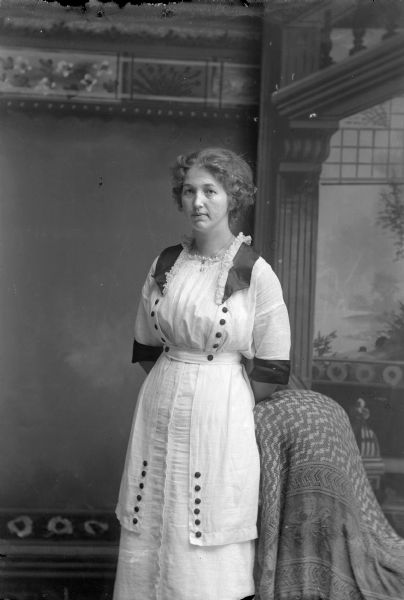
(189, 313)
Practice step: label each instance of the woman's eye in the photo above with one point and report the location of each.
(186, 192)
(210, 192)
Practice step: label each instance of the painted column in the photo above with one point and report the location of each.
(290, 156)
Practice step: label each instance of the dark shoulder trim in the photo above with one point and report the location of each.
(239, 275)
(271, 371)
(164, 263)
(143, 352)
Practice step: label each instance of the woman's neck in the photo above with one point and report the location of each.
(211, 245)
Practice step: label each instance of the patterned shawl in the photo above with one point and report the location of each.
(323, 535)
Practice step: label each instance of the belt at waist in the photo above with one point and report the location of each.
(196, 356)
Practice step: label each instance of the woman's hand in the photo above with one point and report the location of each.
(262, 390)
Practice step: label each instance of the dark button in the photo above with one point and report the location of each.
(138, 497)
(143, 473)
(197, 522)
(218, 335)
(225, 309)
(145, 463)
(141, 485)
(136, 509)
(152, 313)
(197, 474)
(216, 345)
(210, 357)
(222, 322)
(198, 534)
(197, 488)
(134, 521)
(197, 500)
(156, 301)
(196, 511)
(166, 349)
(155, 327)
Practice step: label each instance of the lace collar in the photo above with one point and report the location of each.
(223, 256)
(236, 265)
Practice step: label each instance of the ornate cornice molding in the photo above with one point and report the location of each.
(137, 109)
(304, 149)
(360, 81)
(306, 12)
(204, 24)
(119, 83)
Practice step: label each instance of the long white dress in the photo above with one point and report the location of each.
(189, 493)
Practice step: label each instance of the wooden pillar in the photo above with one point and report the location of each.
(265, 209)
(289, 240)
(290, 157)
(295, 236)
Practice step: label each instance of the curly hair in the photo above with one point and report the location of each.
(229, 169)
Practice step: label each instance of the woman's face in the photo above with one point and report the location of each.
(205, 201)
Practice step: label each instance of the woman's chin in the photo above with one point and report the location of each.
(200, 225)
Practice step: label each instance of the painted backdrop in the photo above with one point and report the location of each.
(85, 206)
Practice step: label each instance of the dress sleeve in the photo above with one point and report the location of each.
(271, 332)
(147, 345)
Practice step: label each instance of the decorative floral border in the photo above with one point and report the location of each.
(74, 76)
(358, 372)
(65, 74)
(59, 526)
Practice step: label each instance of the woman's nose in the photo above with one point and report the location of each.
(198, 198)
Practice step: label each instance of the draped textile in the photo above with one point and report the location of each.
(322, 533)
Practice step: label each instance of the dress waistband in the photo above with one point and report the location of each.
(195, 356)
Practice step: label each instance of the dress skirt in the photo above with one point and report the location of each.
(161, 563)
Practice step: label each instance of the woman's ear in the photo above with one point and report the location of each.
(231, 203)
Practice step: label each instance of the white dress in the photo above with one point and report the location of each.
(189, 493)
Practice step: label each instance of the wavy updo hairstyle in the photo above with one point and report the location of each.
(229, 169)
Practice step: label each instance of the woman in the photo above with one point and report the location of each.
(189, 494)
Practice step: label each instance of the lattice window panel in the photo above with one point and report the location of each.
(368, 147)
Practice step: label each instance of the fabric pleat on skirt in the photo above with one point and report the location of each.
(161, 563)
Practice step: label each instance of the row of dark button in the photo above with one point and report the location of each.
(218, 334)
(139, 496)
(153, 314)
(197, 511)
